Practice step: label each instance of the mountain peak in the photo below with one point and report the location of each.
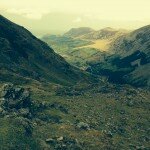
(76, 32)
(108, 29)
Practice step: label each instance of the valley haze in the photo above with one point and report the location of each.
(47, 16)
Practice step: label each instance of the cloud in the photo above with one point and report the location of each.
(28, 13)
(124, 10)
(77, 20)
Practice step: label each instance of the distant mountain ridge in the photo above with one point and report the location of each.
(130, 62)
(77, 32)
(91, 34)
(106, 33)
(133, 41)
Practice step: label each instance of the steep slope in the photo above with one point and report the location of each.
(100, 39)
(76, 32)
(76, 51)
(130, 62)
(134, 50)
(22, 56)
(132, 42)
(63, 43)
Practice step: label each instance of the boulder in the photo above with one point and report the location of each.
(83, 126)
(24, 112)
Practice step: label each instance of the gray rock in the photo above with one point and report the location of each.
(24, 112)
(6, 89)
(15, 99)
(25, 94)
(50, 141)
(83, 126)
(109, 134)
(60, 138)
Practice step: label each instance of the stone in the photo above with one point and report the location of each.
(109, 134)
(24, 112)
(6, 90)
(140, 147)
(50, 141)
(83, 126)
(130, 103)
(25, 94)
(60, 138)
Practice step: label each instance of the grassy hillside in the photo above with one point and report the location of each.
(82, 45)
(106, 33)
(78, 51)
(54, 106)
(79, 117)
(63, 44)
(76, 32)
(120, 55)
(23, 55)
(130, 62)
(73, 50)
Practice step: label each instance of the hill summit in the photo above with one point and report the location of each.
(76, 32)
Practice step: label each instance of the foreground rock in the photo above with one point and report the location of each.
(83, 126)
(15, 101)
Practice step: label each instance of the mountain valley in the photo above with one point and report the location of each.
(83, 90)
(120, 55)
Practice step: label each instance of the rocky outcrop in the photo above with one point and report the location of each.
(15, 101)
(83, 126)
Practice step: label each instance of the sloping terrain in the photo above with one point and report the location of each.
(63, 44)
(130, 62)
(106, 33)
(100, 39)
(80, 45)
(75, 117)
(121, 55)
(103, 38)
(23, 56)
(133, 41)
(43, 115)
(77, 32)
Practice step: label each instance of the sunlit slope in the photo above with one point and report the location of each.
(130, 62)
(82, 45)
(103, 38)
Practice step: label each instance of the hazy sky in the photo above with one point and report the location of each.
(44, 16)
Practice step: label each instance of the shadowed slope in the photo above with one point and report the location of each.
(23, 55)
